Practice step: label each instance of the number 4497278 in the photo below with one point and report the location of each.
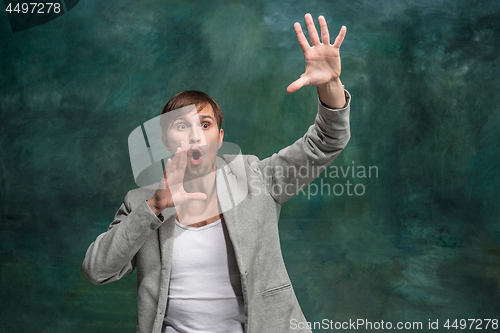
(35, 8)
(472, 323)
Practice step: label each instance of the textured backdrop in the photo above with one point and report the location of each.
(420, 243)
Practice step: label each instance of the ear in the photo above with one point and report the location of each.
(221, 137)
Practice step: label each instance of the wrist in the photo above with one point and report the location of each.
(332, 94)
(332, 83)
(154, 207)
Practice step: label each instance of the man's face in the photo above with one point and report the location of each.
(198, 129)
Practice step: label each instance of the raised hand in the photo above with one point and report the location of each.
(171, 191)
(322, 58)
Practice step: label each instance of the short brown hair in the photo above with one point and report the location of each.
(198, 98)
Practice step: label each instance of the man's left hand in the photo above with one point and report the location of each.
(322, 58)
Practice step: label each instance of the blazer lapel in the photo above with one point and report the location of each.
(226, 183)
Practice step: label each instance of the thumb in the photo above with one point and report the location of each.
(297, 84)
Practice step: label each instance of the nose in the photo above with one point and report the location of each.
(196, 135)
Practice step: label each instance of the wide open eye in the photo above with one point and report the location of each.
(181, 126)
(205, 125)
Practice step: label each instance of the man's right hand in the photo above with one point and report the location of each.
(170, 192)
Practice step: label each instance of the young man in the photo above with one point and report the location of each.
(207, 254)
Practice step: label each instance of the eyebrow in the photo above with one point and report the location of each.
(205, 116)
(173, 121)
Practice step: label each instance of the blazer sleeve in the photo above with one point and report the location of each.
(112, 255)
(287, 172)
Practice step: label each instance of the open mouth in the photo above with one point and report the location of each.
(196, 156)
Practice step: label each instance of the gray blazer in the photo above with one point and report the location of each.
(251, 192)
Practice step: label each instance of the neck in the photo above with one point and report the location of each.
(204, 184)
(199, 212)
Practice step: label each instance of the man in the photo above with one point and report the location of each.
(208, 256)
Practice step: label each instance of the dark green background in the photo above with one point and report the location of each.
(422, 243)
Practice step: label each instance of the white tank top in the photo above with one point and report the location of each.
(205, 286)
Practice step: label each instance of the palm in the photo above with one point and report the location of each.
(172, 183)
(322, 58)
(171, 190)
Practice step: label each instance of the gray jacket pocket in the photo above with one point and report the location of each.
(275, 290)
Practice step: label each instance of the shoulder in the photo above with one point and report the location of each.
(228, 158)
(238, 163)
